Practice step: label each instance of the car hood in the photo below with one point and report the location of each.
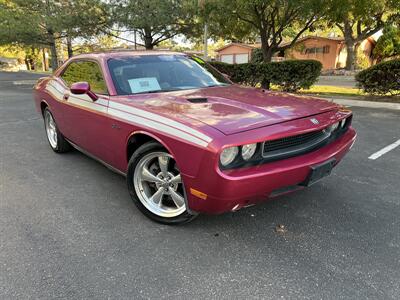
(233, 109)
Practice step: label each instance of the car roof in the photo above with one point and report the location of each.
(120, 53)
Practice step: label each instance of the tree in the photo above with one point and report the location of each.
(96, 43)
(358, 20)
(268, 19)
(84, 19)
(388, 44)
(155, 21)
(43, 23)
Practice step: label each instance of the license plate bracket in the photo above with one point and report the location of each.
(318, 172)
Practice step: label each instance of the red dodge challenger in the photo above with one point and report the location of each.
(187, 139)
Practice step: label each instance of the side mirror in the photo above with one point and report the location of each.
(80, 88)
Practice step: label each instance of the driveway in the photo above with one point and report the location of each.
(68, 228)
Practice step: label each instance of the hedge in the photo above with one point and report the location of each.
(257, 56)
(380, 79)
(289, 75)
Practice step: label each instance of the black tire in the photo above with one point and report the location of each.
(142, 151)
(61, 145)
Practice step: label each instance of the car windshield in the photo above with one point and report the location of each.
(162, 73)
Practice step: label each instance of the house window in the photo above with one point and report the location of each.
(241, 58)
(315, 50)
(227, 58)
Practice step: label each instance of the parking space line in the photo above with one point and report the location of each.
(385, 150)
(24, 82)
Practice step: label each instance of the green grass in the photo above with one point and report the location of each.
(344, 92)
(328, 90)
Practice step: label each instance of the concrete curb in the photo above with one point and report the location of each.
(362, 103)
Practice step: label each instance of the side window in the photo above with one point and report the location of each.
(85, 71)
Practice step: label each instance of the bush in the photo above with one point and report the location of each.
(257, 56)
(239, 73)
(289, 76)
(381, 79)
(292, 75)
(224, 68)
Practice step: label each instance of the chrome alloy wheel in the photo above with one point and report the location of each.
(51, 129)
(158, 185)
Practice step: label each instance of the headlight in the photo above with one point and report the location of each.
(228, 155)
(248, 151)
(334, 126)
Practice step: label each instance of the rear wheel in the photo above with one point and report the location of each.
(56, 140)
(155, 185)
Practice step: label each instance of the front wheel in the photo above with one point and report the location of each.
(155, 185)
(56, 140)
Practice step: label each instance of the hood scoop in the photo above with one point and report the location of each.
(197, 100)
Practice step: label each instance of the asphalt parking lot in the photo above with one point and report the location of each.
(68, 228)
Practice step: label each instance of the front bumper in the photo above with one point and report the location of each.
(233, 189)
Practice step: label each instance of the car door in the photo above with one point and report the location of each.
(86, 122)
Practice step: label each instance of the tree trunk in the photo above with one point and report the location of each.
(148, 44)
(45, 60)
(134, 36)
(267, 57)
(350, 46)
(148, 40)
(53, 50)
(28, 66)
(32, 60)
(69, 47)
(351, 55)
(265, 47)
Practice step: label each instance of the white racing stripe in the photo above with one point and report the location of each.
(157, 126)
(88, 104)
(385, 150)
(55, 89)
(160, 119)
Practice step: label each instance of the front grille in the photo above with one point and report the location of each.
(293, 141)
(294, 145)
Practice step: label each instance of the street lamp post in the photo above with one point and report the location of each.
(205, 41)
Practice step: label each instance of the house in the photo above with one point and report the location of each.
(330, 51)
(236, 53)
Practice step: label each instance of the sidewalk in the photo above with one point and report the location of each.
(348, 101)
(370, 104)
